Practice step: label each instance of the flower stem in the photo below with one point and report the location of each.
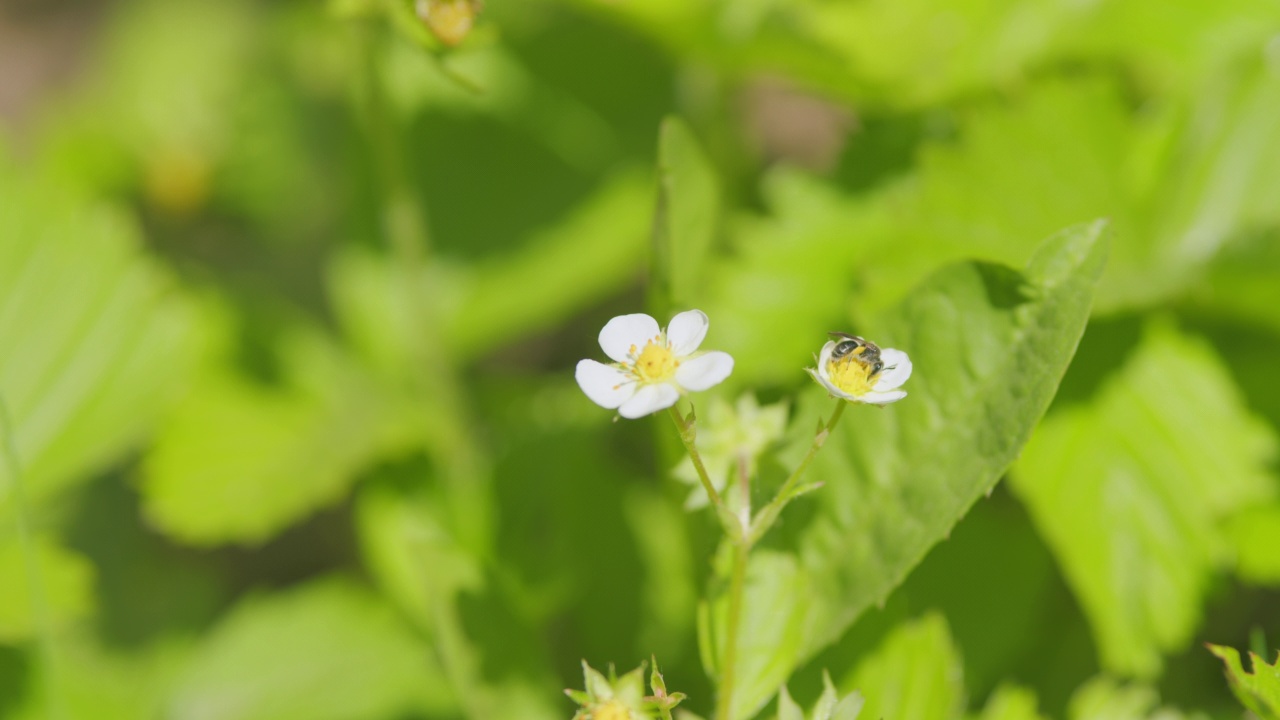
(737, 589)
(768, 515)
(31, 562)
(741, 553)
(732, 525)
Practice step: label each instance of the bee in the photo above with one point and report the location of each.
(862, 350)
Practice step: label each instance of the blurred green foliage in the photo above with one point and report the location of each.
(290, 293)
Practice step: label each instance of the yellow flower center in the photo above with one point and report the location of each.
(850, 375)
(611, 710)
(656, 362)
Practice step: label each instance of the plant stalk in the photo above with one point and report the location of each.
(732, 526)
(737, 589)
(768, 515)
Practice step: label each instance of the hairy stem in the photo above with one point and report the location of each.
(769, 513)
(728, 670)
(732, 526)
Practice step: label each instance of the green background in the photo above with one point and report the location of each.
(291, 295)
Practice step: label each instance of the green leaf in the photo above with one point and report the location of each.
(66, 580)
(684, 223)
(592, 253)
(993, 565)
(788, 709)
(1103, 698)
(421, 568)
(830, 706)
(1239, 283)
(777, 592)
(976, 196)
(778, 284)
(1130, 495)
(1169, 49)
(96, 679)
(1176, 183)
(1255, 534)
(93, 335)
(329, 649)
(982, 43)
(833, 707)
(914, 674)
(1259, 691)
(1220, 181)
(989, 346)
(238, 460)
(595, 251)
(1010, 702)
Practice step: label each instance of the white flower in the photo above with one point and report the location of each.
(853, 378)
(652, 368)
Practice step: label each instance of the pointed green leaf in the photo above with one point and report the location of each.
(1259, 691)
(989, 346)
(92, 334)
(656, 683)
(914, 674)
(329, 649)
(849, 707)
(596, 684)
(788, 709)
(239, 460)
(1130, 492)
(830, 706)
(434, 581)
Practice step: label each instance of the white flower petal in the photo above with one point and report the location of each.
(882, 398)
(686, 331)
(704, 371)
(607, 386)
(824, 357)
(897, 368)
(831, 388)
(821, 379)
(624, 331)
(649, 399)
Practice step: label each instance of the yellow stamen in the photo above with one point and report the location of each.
(850, 375)
(656, 362)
